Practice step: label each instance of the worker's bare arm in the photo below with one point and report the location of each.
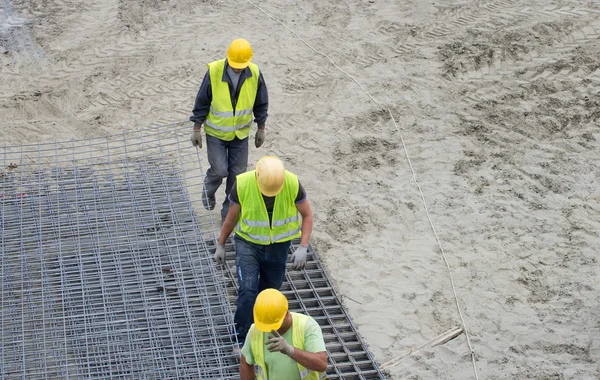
(230, 221)
(246, 370)
(307, 221)
(315, 361)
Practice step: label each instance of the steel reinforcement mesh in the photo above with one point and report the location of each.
(107, 272)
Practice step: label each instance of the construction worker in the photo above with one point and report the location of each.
(281, 344)
(232, 90)
(264, 212)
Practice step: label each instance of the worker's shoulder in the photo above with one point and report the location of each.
(312, 323)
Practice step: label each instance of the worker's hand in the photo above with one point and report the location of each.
(259, 139)
(220, 254)
(196, 138)
(278, 344)
(299, 258)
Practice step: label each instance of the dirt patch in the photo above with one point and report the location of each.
(15, 34)
(561, 110)
(366, 153)
(536, 283)
(480, 48)
(347, 221)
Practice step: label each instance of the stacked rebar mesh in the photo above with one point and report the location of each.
(105, 271)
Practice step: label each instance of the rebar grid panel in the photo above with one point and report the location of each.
(105, 270)
(310, 292)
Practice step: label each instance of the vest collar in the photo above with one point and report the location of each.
(247, 73)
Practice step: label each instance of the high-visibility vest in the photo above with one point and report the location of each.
(257, 343)
(253, 223)
(222, 121)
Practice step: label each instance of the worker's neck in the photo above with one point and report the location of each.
(287, 323)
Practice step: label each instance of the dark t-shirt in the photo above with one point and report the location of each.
(269, 201)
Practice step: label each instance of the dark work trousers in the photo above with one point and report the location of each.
(258, 267)
(227, 159)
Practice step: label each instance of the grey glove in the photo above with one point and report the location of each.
(259, 138)
(220, 254)
(278, 344)
(299, 258)
(196, 138)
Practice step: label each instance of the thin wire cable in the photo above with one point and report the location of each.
(411, 169)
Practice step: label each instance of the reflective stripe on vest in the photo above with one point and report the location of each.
(222, 121)
(257, 344)
(226, 129)
(285, 235)
(262, 238)
(261, 374)
(253, 224)
(230, 114)
(285, 221)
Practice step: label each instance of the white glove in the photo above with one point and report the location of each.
(220, 254)
(196, 138)
(278, 344)
(299, 258)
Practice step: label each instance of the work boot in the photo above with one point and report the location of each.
(208, 202)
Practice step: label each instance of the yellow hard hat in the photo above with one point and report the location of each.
(270, 175)
(239, 54)
(270, 309)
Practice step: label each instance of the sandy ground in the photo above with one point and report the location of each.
(498, 103)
